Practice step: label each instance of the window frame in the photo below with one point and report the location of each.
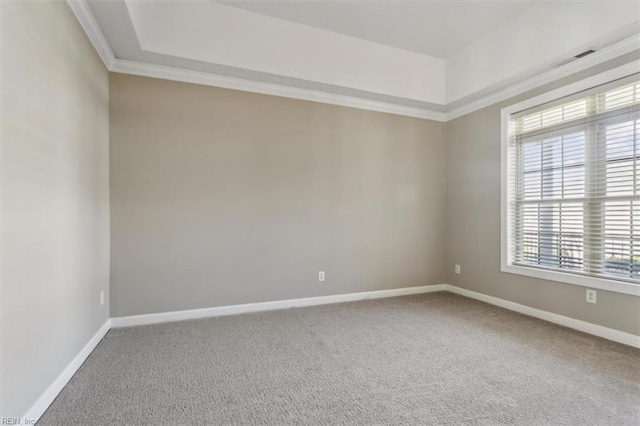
(506, 221)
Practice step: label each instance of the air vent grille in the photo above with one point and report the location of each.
(585, 53)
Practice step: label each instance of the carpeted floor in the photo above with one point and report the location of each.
(429, 359)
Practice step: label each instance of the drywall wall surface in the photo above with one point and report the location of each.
(473, 224)
(222, 197)
(55, 197)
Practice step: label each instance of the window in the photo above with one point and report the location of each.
(571, 185)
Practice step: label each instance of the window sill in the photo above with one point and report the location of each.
(574, 279)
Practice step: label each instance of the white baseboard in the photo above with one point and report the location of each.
(585, 327)
(47, 397)
(267, 306)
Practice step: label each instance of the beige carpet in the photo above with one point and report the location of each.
(428, 359)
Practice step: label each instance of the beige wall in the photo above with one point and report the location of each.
(473, 226)
(55, 199)
(221, 197)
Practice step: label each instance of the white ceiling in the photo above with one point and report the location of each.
(421, 58)
(435, 28)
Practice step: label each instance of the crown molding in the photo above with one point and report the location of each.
(611, 52)
(188, 76)
(93, 31)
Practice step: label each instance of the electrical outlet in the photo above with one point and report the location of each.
(102, 298)
(458, 269)
(320, 276)
(591, 296)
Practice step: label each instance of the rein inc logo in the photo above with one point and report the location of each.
(17, 421)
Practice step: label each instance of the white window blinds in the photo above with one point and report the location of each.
(574, 181)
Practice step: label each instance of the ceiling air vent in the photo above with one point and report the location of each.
(578, 56)
(585, 53)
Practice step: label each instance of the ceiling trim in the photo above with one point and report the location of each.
(610, 52)
(188, 76)
(90, 26)
(93, 31)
